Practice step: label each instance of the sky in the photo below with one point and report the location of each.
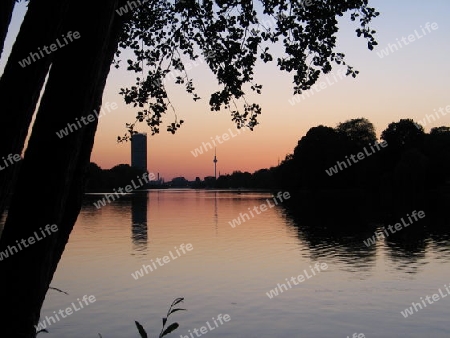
(410, 81)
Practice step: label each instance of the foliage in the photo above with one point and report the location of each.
(403, 134)
(409, 151)
(318, 149)
(165, 330)
(231, 36)
(359, 131)
(108, 179)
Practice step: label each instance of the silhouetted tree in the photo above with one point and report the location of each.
(228, 34)
(316, 152)
(239, 179)
(75, 82)
(401, 136)
(122, 175)
(360, 132)
(437, 148)
(263, 179)
(223, 182)
(443, 130)
(285, 173)
(20, 87)
(410, 181)
(95, 180)
(6, 10)
(118, 176)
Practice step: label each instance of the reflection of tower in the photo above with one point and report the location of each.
(216, 216)
(139, 220)
(215, 164)
(139, 151)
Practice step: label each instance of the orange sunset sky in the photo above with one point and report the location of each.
(408, 83)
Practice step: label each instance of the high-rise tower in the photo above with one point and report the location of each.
(215, 164)
(139, 151)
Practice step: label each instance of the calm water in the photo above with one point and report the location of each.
(230, 270)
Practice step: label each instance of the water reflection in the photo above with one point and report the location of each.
(231, 269)
(139, 202)
(338, 233)
(216, 213)
(337, 243)
(334, 230)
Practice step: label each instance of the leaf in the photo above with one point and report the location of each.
(171, 328)
(164, 321)
(175, 310)
(141, 330)
(177, 300)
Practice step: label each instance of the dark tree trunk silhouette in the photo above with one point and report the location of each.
(77, 188)
(52, 175)
(6, 10)
(74, 89)
(20, 87)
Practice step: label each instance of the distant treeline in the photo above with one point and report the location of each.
(349, 156)
(405, 160)
(343, 175)
(100, 180)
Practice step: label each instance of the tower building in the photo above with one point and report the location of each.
(139, 151)
(215, 164)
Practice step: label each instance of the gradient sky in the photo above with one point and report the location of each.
(408, 83)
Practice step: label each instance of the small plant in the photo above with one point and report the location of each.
(164, 331)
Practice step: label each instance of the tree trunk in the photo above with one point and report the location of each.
(77, 189)
(6, 10)
(20, 87)
(74, 90)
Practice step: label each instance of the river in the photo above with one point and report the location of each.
(270, 276)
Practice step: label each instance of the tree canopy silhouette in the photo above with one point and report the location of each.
(231, 35)
(359, 131)
(403, 134)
